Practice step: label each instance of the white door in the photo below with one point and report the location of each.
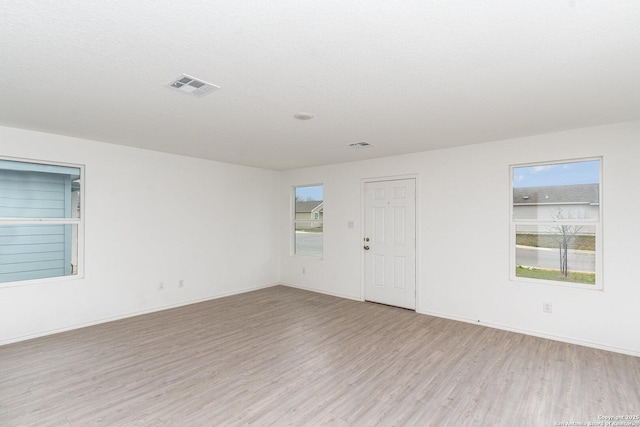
(389, 243)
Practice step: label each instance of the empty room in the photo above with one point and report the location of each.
(319, 213)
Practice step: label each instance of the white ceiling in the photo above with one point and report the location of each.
(406, 76)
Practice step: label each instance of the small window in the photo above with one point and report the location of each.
(556, 229)
(40, 220)
(308, 219)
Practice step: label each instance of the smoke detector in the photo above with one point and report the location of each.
(192, 86)
(360, 145)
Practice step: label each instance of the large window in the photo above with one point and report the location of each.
(40, 220)
(556, 229)
(308, 219)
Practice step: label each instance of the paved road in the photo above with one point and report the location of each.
(309, 244)
(550, 258)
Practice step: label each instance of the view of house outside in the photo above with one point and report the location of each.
(556, 216)
(308, 220)
(39, 220)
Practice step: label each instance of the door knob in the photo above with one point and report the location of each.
(366, 247)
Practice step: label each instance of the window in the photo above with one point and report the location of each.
(556, 229)
(308, 217)
(40, 220)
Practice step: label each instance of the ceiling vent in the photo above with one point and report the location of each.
(192, 86)
(360, 145)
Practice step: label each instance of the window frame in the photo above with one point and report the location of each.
(77, 221)
(597, 224)
(294, 222)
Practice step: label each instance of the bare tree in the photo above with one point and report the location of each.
(307, 199)
(564, 235)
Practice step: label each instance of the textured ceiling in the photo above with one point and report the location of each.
(406, 76)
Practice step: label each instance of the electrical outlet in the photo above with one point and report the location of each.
(547, 307)
(161, 286)
(181, 283)
(304, 271)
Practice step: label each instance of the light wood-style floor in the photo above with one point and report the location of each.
(283, 356)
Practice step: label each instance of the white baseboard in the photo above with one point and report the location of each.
(254, 288)
(131, 314)
(532, 333)
(333, 294)
(490, 325)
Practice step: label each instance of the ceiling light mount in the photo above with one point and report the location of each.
(361, 144)
(192, 86)
(303, 116)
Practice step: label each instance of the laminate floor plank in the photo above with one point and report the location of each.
(283, 356)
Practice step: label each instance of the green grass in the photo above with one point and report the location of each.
(584, 243)
(542, 274)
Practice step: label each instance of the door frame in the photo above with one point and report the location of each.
(363, 187)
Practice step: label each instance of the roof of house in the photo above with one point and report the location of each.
(579, 193)
(308, 206)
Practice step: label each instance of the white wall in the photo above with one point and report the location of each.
(154, 217)
(150, 217)
(466, 276)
